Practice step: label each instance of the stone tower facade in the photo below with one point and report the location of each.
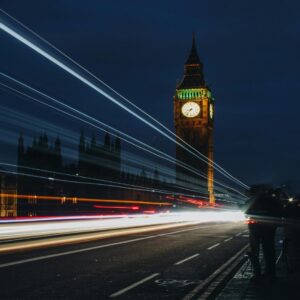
(194, 123)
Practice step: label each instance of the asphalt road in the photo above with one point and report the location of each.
(165, 264)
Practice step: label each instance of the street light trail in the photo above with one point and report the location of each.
(102, 182)
(69, 70)
(166, 192)
(77, 176)
(212, 163)
(81, 199)
(141, 145)
(129, 139)
(158, 154)
(11, 231)
(94, 181)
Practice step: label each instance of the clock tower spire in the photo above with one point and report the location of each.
(193, 70)
(193, 119)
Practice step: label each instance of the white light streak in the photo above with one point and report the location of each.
(13, 229)
(103, 182)
(123, 136)
(124, 98)
(51, 58)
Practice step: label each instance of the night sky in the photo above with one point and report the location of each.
(250, 51)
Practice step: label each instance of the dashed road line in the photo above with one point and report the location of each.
(59, 254)
(216, 273)
(186, 259)
(238, 234)
(228, 239)
(132, 286)
(213, 246)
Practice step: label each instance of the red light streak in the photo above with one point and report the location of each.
(200, 203)
(117, 207)
(250, 221)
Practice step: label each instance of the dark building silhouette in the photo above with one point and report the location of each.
(42, 172)
(100, 161)
(48, 186)
(8, 194)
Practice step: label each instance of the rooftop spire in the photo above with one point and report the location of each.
(193, 70)
(193, 58)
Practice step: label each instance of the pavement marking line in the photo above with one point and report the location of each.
(24, 261)
(228, 239)
(186, 259)
(213, 246)
(212, 287)
(238, 234)
(216, 273)
(132, 286)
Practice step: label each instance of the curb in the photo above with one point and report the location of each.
(212, 285)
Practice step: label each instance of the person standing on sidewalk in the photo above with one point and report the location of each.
(264, 214)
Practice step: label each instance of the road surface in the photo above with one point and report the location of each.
(162, 264)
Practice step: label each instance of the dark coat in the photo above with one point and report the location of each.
(266, 206)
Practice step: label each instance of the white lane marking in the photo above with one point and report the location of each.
(213, 246)
(24, 261)
(120, 292)
(186, 259)
(228, 239)
(205, 282)
(238, 234)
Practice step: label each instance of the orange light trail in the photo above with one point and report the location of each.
(63, 198)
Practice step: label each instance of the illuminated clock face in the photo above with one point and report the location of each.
(190, 109)
(211, 111)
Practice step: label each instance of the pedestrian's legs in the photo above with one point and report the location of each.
(268, 245)
(254, 246)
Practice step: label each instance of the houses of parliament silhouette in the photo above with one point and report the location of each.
(96, 175)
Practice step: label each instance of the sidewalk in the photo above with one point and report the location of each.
(287, 284)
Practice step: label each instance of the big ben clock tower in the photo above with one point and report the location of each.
(194, 122)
